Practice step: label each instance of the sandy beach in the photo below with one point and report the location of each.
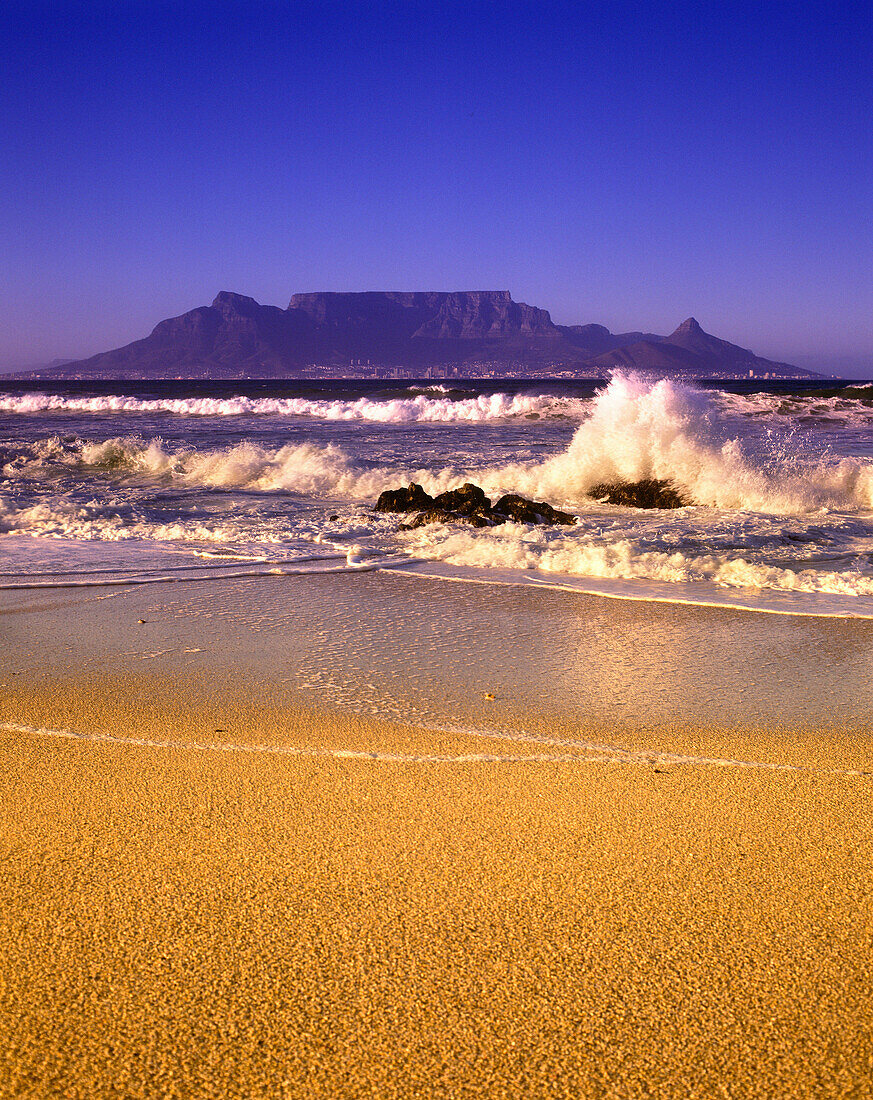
(211, 887)
(436, 551)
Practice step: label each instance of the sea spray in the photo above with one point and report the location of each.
(638, 429)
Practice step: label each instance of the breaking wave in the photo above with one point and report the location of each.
(432, 406)
(306, 468)
(639, 429)
(841, 407)
(635, 429)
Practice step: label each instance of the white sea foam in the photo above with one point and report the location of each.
(638, 429)
(514, 547)
(60, 518)
(422, 408)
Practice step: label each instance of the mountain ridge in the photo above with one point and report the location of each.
(332, 333)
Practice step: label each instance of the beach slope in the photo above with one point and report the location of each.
(205, 922)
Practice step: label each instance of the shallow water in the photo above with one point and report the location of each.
(436, 653)
(489, 658)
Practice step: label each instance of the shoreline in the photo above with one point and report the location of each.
(702, 595)
(417, 649)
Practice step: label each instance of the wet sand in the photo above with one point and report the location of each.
(216, 914)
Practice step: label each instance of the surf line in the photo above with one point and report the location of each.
(615, 754)
(212, 573)
(293, 750)
(596, 754)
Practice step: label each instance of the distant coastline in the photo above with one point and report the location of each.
(399, 334)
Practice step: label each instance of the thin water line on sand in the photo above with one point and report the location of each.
(617, 754)
(200, 567)
(351, 566)
(293, 750)
(591, 588)
(605, 754)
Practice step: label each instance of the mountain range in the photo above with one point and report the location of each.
(465, 333)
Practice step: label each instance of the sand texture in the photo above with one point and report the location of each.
(201, 923)
(220, 892)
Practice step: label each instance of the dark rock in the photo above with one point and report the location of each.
(440, 515)
(411, 499)
(465, 501)
(468, 504)
(522, 510)
(647, 493)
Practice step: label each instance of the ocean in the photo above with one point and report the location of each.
(194, 488)
(140, 482)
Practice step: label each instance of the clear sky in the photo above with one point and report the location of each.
(622, 163)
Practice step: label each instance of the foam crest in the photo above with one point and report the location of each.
(642, 429)
(305, 468)
(434, 406)
(625, 559)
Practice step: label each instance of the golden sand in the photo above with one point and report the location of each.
(197, 917)
(186, 922)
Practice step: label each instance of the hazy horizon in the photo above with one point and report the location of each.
(618, 164)
(846, 367)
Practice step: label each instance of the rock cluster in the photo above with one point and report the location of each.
(467, 504)
(647, 493)
(404, 500)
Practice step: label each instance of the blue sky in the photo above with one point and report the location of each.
(628, 164)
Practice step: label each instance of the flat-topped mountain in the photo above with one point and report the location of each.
(470, 332)
(464, 314)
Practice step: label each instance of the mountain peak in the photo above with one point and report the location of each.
(229, 299)
(689, 325)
